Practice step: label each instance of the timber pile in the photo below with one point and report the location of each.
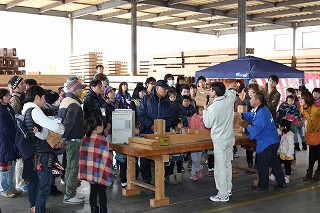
(10, 63)
(83, 65)
(285, 60)
(117, 68)
(52, 82)
(144, 68)
(162, 138)
(188, 62)
(310, 63)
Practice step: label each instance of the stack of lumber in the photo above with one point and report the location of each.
(144, 68)
(52, 82)
(10, 63)
(143, 143)
(188, 62)
(118, 68)
(310, 63)
(83, 65)
(286, 60)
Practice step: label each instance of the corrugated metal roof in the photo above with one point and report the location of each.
(200, 16)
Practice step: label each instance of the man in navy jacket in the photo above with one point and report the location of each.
(153, 106)
(264, 131)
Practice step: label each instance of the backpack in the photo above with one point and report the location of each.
(23, 142)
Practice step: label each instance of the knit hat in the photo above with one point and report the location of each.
(15, 81)
(108, 89)
(253, 81)
(233, 86)
(51, 96)
(74, 85)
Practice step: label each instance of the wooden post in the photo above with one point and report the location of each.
(159, 126)
(131, 176)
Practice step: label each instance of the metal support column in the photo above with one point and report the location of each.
(71, 34)
(133, 37)
(242, 14)
(294, 33)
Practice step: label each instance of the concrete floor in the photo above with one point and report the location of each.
(191, 196)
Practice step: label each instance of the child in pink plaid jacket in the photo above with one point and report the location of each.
(95, 163)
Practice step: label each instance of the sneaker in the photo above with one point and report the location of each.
(55, 191)
(235, 155)
(229, 193)
(16, 191)
(272, 177)
(81, 197)
(287, 179)
(24, 188)
(194, 177)
(210, 173)
(124, 185)
(199, 174)
(74, 201)
(277, 186)
(189, 167)
(182, 169)
(8, 194)
(219, 199)
(33, 210)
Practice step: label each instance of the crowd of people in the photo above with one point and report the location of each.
(84, 121)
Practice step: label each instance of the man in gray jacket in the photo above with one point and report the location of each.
(71, 113)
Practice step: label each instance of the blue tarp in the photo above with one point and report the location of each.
(249, 67)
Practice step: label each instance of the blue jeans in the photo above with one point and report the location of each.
(300, 132)
(6, 179)
(40, 183)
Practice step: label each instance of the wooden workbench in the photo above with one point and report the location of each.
(160, 155)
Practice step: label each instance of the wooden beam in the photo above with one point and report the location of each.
(193, 24)
(13, 3)
(95, 8)
(218, 4)
(297, 18)
(147, 16)
(50, 6)
(113, 14)
(276, 13)
(173, 2)
(172, 20)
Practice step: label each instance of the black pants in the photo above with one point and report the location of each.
(268, 158)
(123, 171)
(287, 165)
(210, 161)
(145, 170)
(171, 166)
(101, 190)
(249, 155)
(314, 155)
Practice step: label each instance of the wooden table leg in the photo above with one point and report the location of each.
(160, 199)
(131, 176)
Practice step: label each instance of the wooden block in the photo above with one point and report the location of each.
(3, 51)
(11, 52)
(22, 63)
(14, 63)
(159, 202)
(242, 108)
(157, 136)
(237, 121)
(182, 138)
(130, 192)
(145, 141)
(201, 97)
(159, 126)
(201, 134)
(143, 146)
